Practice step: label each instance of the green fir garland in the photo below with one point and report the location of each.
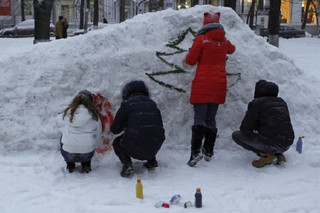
(176, 69)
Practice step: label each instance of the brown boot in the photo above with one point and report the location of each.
(265, 159)
(280, 158)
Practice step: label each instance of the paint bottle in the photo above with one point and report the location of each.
(299, 145)
(198, 198)
(139, 189)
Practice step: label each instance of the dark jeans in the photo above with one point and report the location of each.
(205, 114)
(75, 157)
(254, 144)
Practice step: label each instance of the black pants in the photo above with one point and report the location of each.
(120, 151)
(254, 144)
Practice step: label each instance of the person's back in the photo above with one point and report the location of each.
(59, 28)
(266, 128)
(269, 117)
(141, 121)
(144, 133)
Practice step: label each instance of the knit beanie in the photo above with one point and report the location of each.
(211, 18)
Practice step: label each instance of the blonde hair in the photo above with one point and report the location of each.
(85, 98)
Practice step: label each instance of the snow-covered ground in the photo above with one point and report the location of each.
(38, 81)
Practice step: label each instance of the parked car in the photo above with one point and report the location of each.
(285, 31)
(23, 29)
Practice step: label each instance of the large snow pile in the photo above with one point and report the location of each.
(38, 82)
(46, 78)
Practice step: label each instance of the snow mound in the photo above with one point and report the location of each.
(46, 78)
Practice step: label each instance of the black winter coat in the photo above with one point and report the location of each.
(268, 115)
(141, 121)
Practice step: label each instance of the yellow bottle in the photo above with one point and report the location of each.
(139, 189)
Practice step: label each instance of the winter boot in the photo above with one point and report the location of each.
(196, 142)
(265, 159)
(209, 141)
(280, 158)
(86, 167)
(150, 164)
(127, 170)
(71, 166)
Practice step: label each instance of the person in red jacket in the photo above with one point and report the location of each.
(209, 86)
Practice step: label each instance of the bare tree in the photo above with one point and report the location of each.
(42, 13)
(122, 10)
(23, 17)
(250, 16)
(274, 22)
(305, 15)
(317, 14)
(81, 14)
(231, 3)
(96, 13)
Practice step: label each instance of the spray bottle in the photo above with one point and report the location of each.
(198, 199)
(299, 145)
(139, 189)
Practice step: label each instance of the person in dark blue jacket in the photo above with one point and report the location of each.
(140, 120)
(266, 128)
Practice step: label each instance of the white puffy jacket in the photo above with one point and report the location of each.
(83, 134)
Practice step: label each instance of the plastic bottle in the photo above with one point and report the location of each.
(165, 205)
(299, 145)
(139, 189)
(188, 204)
(198, 199)
(175, 199)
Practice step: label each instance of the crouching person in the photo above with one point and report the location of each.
(141, 121)
(266, 128)
(82, 131)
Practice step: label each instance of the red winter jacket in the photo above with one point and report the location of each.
(209, 50)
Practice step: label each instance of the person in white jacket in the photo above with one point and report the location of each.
(82, 132)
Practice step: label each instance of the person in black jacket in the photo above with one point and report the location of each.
(141, 121)
(266, 128)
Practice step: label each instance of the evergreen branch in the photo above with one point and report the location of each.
(164, 84)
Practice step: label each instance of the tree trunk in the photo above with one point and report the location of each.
(81, 14)
(122, 10)
(305, 17)
(96, 14)
(260, 5)
(23, 17)
(274, 22)
(250, 16)
(86, 16)
(317, 14)
(231, 3)
(42, 13)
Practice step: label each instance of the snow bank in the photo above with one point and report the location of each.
(36, 85)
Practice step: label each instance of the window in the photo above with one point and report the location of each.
(285, 11)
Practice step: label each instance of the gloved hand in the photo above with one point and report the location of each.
(185, 65)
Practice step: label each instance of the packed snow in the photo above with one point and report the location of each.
(38, 81)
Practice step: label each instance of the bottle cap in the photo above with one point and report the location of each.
(138, 180)
(165, 205)
(198, 190)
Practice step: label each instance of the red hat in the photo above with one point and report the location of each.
(211, 18)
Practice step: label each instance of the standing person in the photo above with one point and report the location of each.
(266, 128)
(82, 131)
(209, 86)
(140, 120)
(59, 28)
(65, 27)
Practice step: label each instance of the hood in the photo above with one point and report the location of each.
(134, 87)
(214, 31)
(265, 88)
